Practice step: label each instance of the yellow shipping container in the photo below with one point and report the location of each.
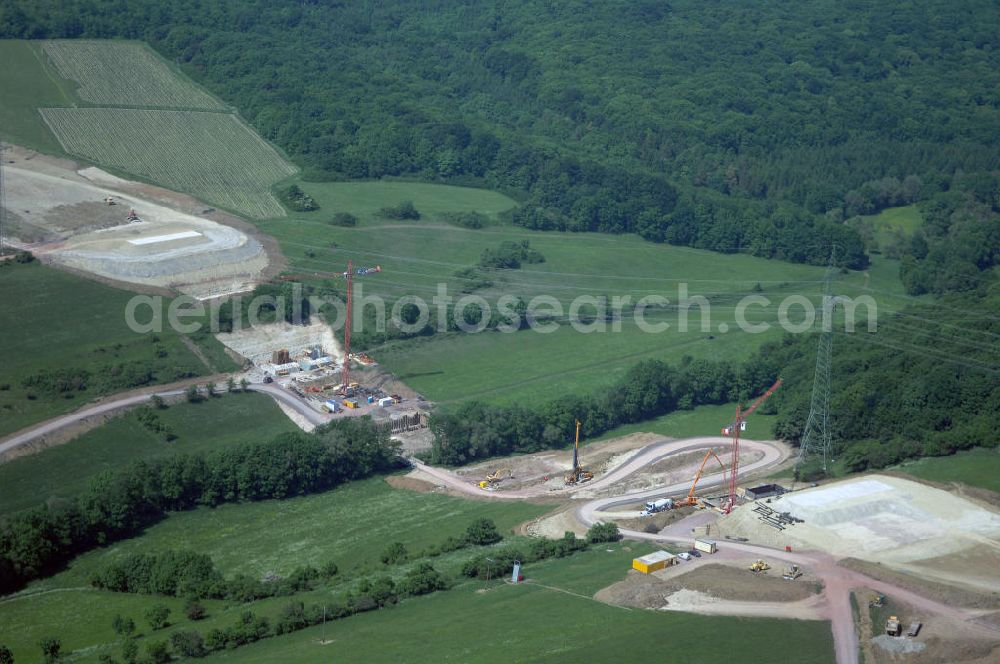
(654, 561)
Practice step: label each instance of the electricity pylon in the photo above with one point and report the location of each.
(816, 434)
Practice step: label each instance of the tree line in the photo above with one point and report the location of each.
(120, 503)
(473, 430)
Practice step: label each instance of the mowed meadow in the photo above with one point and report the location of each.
(67, 342)
(351, 526)
(417, 256)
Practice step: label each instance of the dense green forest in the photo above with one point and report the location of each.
(766, 128)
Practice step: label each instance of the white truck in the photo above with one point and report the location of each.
(654, 506)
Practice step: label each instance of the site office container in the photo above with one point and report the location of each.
(705, 545)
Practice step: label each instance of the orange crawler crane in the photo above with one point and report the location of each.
(690, 499)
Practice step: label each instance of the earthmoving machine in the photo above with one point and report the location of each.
(759, 566)
(492, 480)
(734, 429)
(792, 572)
(132, 215)
(892, 626)
(876, 601)
(690, 500)
(579, 474)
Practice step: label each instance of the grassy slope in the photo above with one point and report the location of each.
(906, 219)
(699, 421)
(979, 467)
(553, 620)
(365, 199)
(63, 321)
(531, 623)
(350, 525)
(417, 256)
(27, 84)
(65, 470)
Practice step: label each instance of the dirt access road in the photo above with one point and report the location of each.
(772, 455)
(114, 403)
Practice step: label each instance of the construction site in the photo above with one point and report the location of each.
(128, 232)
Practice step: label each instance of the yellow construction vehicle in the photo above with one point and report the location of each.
(892, 626)
(492, 480)
(759, 566)
(876, 600)
(578, 474)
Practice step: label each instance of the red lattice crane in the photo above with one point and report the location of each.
(739, 424)
(349, 275)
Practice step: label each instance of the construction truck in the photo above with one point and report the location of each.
(892, 626)
(578, 474)
(759, 567)
(654, 506)
(792, 572)
(492, 481)
(876, 601)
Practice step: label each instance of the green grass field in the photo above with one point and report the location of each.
(699, 421)
(535, 623)
(365, 199)
(27, 83)
(65, 470)
(62, 321)
(906, 218)
(418, 256)
(554, 616)
(351, 525)
(979, 467)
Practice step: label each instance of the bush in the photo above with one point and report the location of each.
(188, 644)
(157, 616)
(473, 220)
(193, 394)
(6, 656)
(50, 649)
(345, 219)
(328, 570)
(603, 532)
(422, 580)
(510, 255)
(394, 553)
(24, 257)
(404, 210)
(194, 610)
(158, 652)
(482, 532)
(123, 626)
(297, 200)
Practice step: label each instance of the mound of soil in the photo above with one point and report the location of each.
(410, 484)
(721, 581)
(946, 594)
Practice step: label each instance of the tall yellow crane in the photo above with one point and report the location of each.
(579, 474)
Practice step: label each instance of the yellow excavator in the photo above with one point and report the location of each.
(492, 480)
(759, 566)
(578, 474)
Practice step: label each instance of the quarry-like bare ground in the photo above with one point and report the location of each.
(60, 213)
